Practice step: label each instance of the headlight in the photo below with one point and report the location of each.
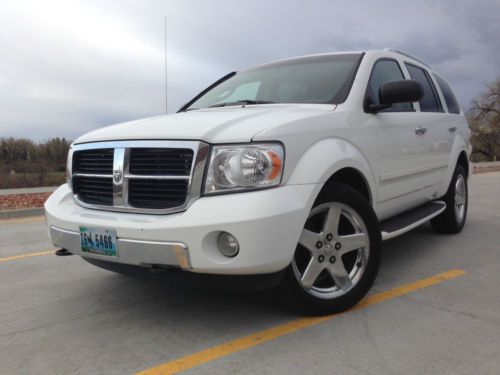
(242, 167)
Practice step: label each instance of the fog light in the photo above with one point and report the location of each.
(228, 244)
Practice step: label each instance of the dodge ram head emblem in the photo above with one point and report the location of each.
(117, 175)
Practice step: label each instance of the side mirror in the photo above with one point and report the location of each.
(401, 91)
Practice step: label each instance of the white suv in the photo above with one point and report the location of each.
(292, 172)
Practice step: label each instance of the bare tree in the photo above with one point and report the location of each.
(484, 121)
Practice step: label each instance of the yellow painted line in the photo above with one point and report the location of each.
(29, 255)
(216, 352)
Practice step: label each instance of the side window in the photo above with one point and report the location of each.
(383, 71)
(430, 101)
(449, 97)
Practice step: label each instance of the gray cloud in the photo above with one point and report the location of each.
(433, 51)
(67, 67)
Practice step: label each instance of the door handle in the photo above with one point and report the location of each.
(452, 128)
(420, 130)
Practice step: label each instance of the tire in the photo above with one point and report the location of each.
(339, 248)
(452, 219)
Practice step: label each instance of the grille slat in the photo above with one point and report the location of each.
(153, 190)
(147, 196)
(91, 190)
(98, 180)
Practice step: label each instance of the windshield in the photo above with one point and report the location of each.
(319, 79)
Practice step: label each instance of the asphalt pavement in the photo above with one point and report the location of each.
(434, 309)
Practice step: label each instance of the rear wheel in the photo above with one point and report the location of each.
(452, 219)
(338, 254)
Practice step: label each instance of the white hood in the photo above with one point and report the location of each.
(212, 125)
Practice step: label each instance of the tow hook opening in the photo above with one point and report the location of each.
(162, 268)
(62, 252)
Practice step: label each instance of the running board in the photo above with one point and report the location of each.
(406, 221)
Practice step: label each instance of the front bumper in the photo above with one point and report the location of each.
(139, 252)
(267, 224)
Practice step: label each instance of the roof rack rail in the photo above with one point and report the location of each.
(407, 55)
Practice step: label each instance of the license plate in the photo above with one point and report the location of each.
(98, 241)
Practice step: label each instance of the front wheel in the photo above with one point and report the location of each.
(338, 254)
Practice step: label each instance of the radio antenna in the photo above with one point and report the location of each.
(166, 70)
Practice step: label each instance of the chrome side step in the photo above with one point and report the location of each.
(396, 226)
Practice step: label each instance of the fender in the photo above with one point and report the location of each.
(328, 156)
(459, 145)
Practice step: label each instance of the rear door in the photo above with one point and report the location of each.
(432, 125)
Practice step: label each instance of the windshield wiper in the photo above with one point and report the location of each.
(241, 102)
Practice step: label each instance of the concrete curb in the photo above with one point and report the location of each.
(25, 212)
(44, 189)
(479, 170)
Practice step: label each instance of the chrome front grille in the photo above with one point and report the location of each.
(138, 176)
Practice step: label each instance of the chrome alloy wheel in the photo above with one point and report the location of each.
(333, 251)
(460, 198)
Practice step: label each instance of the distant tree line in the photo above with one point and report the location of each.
(24, 163)
(484, 122)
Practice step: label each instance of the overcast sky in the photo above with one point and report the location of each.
(67, 67)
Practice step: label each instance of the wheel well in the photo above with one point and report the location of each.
(352, 178)
(464, 162)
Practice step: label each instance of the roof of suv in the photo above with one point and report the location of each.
(385, 50)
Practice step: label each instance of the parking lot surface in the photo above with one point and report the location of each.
(434, 308)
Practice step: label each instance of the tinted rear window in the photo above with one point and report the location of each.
(449, 97)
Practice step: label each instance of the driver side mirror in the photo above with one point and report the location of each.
(401, 91)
